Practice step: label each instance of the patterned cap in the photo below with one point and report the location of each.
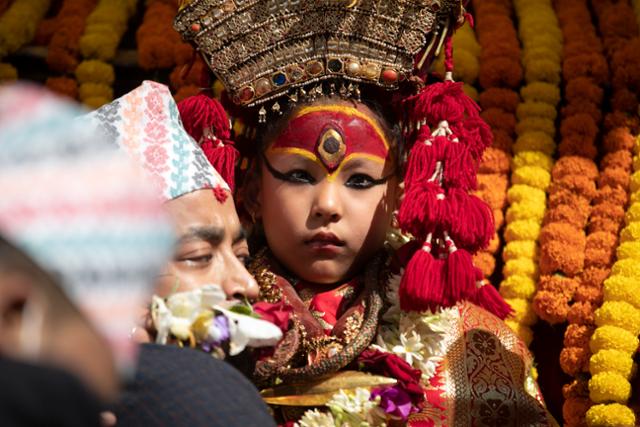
(81, 210)
(146, 124)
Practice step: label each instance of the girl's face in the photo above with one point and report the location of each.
(327, 191)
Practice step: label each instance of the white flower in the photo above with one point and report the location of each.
(248, 331)
(181, 309)
(177, 315)
(410, 347)
(315, 418)
(354, 408)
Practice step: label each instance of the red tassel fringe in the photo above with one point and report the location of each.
(202, 112)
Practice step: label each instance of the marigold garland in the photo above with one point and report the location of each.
(105, 27)
(542, 51)
(499, 74)
(18, 24)
(156, 37)
(610, 389)
(64, 44)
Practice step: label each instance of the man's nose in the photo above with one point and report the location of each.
(238, 283)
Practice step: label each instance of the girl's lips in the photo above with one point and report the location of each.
(325, 243)
(324, 239)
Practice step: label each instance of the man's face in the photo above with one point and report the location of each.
(212, 248)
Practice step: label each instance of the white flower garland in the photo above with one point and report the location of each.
(418, 338)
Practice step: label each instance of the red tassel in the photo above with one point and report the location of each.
(205, 119)
(490, 299)
(441, 101)
(461, 275)
(223, 158)
(475, 134)
(422, 209)
(471, 220)
(422, 287)
(460, 169)
(422, 159)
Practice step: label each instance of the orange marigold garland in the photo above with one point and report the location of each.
(156, 37)
(64, 45)
(542, 51)
(500, 73)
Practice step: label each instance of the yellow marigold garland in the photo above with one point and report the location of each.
(532, 163)
(19, 22)
(105, 27)
(466, 56)
(615, 341)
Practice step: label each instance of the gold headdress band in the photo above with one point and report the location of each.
(264, 49)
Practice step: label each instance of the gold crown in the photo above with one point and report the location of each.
(263, 49)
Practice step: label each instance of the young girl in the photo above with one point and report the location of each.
(325, 189)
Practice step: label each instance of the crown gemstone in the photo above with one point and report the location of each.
(334, 65)
(296, 73)
(279, 78)
(262, 86)
(371, 71)
(390, 76)
(246, 94)
(195, 27)
(353, 68)
(314, 68)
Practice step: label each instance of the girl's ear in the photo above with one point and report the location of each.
(251, 194)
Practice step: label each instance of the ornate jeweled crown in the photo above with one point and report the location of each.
(263, 49)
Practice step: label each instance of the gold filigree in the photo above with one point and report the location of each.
(264, 49)
(267, 280)
(352, 326)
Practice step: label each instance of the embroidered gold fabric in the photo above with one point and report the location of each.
(261, 49)
(485, 377)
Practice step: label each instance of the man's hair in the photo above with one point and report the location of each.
(13, 261)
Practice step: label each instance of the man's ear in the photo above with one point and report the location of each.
(15, 292)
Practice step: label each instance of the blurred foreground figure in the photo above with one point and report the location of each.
(83, 238)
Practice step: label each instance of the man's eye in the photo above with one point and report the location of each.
(244, 259)
(197, 261)
(360, 181)
(299, 176)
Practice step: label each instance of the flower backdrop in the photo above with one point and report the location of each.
(558, 82)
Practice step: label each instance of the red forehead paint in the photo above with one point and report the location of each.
(331, 134)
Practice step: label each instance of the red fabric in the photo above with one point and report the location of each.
(278, 313)
(390, 365)
(330, 305)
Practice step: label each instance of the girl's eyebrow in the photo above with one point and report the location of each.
(273, 171)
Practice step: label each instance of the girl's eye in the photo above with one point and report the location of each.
(299, 176)
(360, 181)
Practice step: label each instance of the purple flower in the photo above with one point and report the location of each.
(394, 401)
(219, 330)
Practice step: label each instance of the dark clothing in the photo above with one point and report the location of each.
(184, 387)
(41, 396)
